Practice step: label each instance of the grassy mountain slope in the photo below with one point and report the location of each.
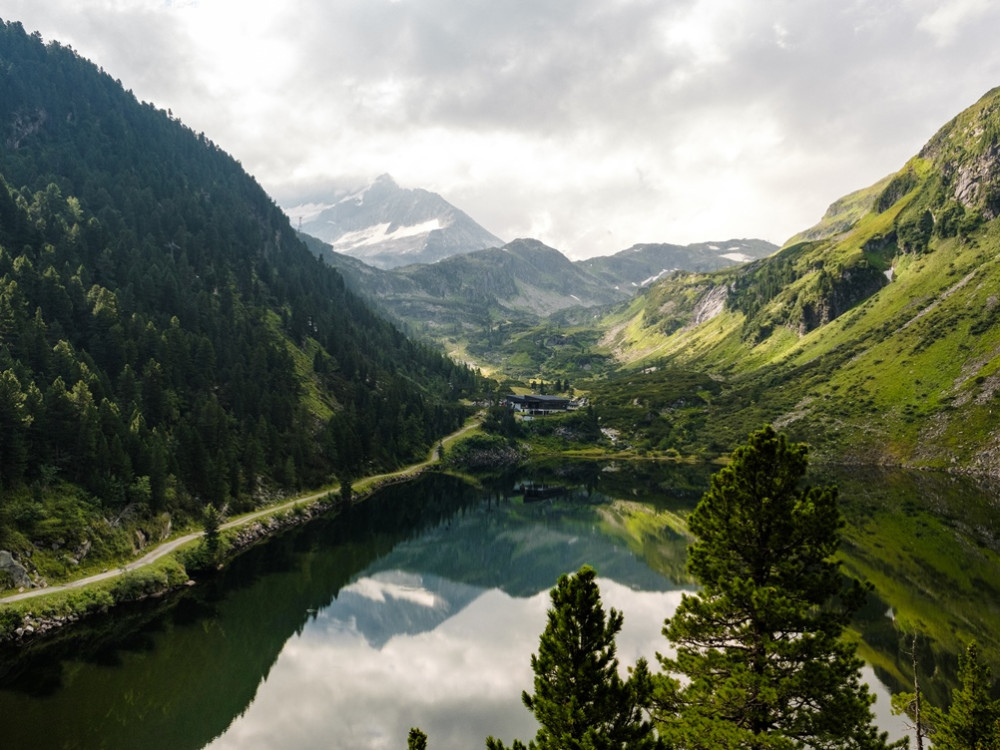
(843, 213)
(478, 305)
(165, 339)
(523, 309)
(877, 341)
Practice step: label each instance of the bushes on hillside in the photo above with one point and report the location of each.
(485, 452)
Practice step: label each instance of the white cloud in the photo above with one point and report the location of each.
(592, 126)
(403, 587)
(946, 21)
(459, 682)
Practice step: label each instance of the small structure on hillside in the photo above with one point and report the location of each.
(537, 405)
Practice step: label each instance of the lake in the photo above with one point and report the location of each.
(422, 606)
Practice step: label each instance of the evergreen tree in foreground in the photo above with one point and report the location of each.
(972, 722)
(580, 700)
(759, 646)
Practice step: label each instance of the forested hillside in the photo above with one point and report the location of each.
(165, 339)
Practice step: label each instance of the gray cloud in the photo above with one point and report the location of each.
(592, 124)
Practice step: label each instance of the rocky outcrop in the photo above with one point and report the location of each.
(976, 183)
(14, 571)
(23, 125)
(709, 305)
(966, 151)
(838, 294)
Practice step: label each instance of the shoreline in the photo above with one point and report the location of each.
(167, 567)
(163, 569)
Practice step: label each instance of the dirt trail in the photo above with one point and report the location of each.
(167, 547)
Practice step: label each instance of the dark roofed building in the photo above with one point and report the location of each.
(532, 404)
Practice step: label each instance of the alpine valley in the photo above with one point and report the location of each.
(492, 307)
(168, 341)
(873, 335)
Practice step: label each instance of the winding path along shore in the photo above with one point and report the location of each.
(169, 546)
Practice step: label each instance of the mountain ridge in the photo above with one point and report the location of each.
(473, 304)
(642, 264)
(876, 337)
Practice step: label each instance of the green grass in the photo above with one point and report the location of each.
(314, 399)
(906, 376)
(843, 213)
(62, 534)
(164, 574)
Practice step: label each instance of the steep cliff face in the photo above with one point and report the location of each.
(966, 154)
(835, 294)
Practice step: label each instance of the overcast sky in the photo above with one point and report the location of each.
(591, 125)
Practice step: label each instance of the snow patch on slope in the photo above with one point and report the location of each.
(378, 233)
(657, 277)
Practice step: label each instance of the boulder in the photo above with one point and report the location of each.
(18, 575)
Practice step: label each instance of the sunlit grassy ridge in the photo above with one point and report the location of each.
(844, 213)
(872, 336)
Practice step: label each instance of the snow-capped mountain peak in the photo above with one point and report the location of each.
(388, 226)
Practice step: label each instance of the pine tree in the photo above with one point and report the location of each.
(15, 419)
(212, 523)
(416, 740)
(912, 704)
(760, 645)
(580, 700)
(972, 722)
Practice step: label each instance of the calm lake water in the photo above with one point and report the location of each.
(422, 606)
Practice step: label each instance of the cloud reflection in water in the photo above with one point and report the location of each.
(455, 665)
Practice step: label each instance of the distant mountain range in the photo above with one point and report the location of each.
(432, 268)
(641, 265)
(522, 283)
(388, 226)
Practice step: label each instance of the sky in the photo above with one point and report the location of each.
(591, 125)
